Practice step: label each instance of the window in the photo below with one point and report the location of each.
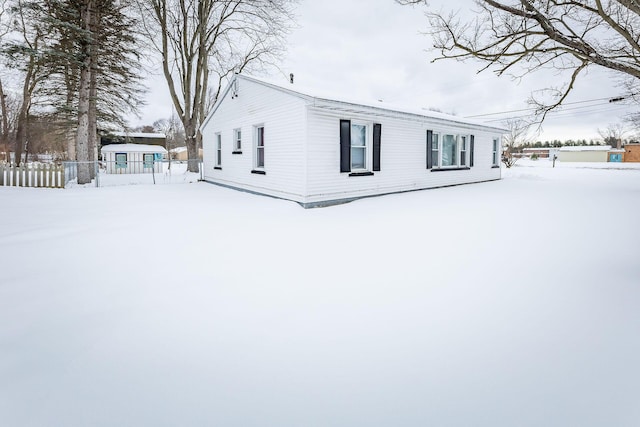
(147, 160)
(463, 150)
(121, 160)
(358, 147)
(259, 161)
(435, 149)
(237, 140)
(449, 151)
(495, 152)
(218, 150)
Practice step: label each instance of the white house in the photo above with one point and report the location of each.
(133, 158)
(282, 141)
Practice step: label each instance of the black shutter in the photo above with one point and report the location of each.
(471, 151)
(429, 149)
(377, 133)
(345, 145)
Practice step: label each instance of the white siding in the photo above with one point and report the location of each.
(403, 156)
(135, 163)
(283, 118)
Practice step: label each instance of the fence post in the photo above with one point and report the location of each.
(2, 168)
(22, 174)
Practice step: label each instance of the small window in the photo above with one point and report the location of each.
(495, 152)
(463, 150)
(237, 140)
(218, 150)
(147, 161)
(121, 160)
(358, 147)
(259, 161)
(435, 149)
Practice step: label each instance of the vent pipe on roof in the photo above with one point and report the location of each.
(291, 78)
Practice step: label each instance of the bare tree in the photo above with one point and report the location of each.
(524, 36)
(613, 134)
(202, 42)
(519, 134)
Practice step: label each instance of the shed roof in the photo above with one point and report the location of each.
(322, 95)
(139, 135)
(133, 148)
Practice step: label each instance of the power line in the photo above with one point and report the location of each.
(608, 99)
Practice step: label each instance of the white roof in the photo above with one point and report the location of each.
(178, 150)
(133, 148)
(139, 135)
(315, 94)
(587, 148)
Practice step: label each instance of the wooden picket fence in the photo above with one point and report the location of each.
(31, 175)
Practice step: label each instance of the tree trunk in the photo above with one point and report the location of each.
(93, 95)
(21, 133)
(191, 140)
(5, 124)
(82, 135)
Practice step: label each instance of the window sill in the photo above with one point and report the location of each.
(236, 152)
(495, 167)
(450, 169)
(258, 172)
(218, 168)
(361, 174)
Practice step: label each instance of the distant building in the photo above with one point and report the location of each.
(133, 158)
(632, 152)
(585, 153)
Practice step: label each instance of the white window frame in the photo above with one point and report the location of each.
(237, 140)
(435, 150)
(496, 151)
(257, 147)
(367, 146)
(218, 150)
(463, 148)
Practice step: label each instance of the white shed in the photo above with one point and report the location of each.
(133, 158)
(317, 150)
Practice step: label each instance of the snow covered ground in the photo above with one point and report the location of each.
(508, 303)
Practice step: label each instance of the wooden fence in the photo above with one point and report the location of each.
(32, 175)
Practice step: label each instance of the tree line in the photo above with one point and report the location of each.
(71, 67)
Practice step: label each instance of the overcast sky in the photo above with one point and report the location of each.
(376, 49)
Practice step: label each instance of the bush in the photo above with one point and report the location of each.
(534, 156)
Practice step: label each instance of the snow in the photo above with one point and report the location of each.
(135, 148)
(586, 148)
(326, 94)
(513, 302)
(139, 134)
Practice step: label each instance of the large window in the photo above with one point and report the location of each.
(358, 147)
(495, 151)
(218, 150)
(449, 151)
(237, 140)
(259, 160)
